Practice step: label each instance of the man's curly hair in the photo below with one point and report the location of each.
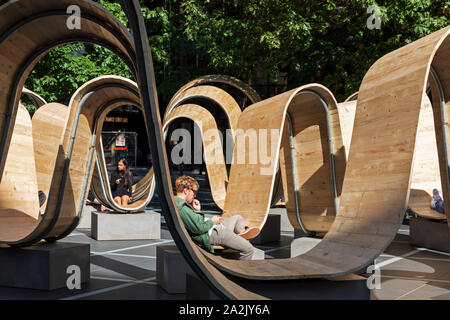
(186, 182)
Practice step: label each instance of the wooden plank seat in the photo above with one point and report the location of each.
(419, 204)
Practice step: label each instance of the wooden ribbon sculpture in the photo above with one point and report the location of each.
(426, 174)
(63, 139)
(362, 203)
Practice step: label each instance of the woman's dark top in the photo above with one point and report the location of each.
(119, 190)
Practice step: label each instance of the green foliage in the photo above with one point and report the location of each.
(63, 70)
(324, 41)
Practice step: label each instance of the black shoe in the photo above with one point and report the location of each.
(42, 198)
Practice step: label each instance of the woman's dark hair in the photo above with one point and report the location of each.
(127, 173)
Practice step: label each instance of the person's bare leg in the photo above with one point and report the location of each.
(118, 200)
(125, 200)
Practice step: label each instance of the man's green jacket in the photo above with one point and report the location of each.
(195, 224)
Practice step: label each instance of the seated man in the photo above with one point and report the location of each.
(231, 233)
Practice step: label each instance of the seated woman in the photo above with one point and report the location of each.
(121, 183)
(231, 233)
(436, 202)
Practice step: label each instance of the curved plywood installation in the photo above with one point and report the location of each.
(29, 31)
(376, 184)
(318, 203)
(18, 187)
(213, 150)
(377, 178)
(252, 180)
(48, 127)
(37, 100)
(212, 80)
(95, 100)
(379, 169)
(216, 95)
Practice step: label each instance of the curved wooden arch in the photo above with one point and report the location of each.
(27, 33)
(426, 172)
(214, 158)
(249, 191)
(96, 99)
(243, 87)
(352, 97)
(38, 101)
(216, 95)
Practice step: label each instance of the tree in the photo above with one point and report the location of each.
(325, 41)
(322, 41)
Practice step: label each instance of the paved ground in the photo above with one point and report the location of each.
(126, 269)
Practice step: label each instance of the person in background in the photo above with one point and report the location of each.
(436, 202)
(121, 183)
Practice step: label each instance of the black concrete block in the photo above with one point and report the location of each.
(197, 290)
(429, 234)
(43, 266)
(349, 287)
(171, 269)
(271, 230)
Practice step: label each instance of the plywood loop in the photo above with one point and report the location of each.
(193, 94)
(143, 191)
(213, 150)
(18, 187)
(216, 95)
(318, 203)
(29, 30)
(376, 184)
(426, 170)
(37, 100)
(216, 80)
(250, 185)
(48, 127)
(96, 99)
